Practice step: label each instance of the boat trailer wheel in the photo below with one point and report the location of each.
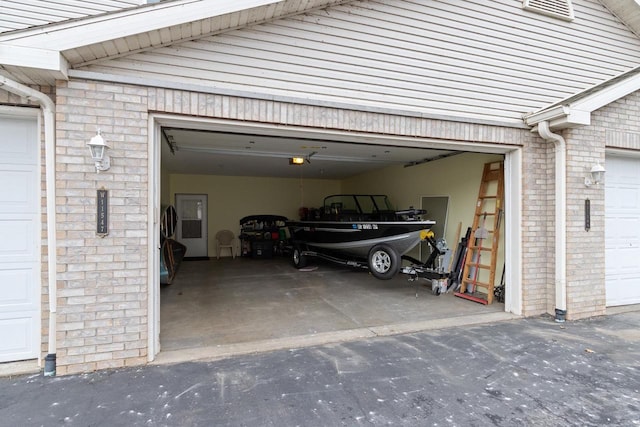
(298, 259)
(384, 262)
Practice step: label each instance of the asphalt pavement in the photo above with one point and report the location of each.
(525, 372)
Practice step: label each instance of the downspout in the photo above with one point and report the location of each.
(560, 218)
(48, 112)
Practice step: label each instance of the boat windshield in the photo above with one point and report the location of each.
(357, 203)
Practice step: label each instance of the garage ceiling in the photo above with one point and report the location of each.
(201, 152)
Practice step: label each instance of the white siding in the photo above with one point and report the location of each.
(471, 59)
(19, 14)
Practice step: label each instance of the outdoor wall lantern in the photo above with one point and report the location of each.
(596, 176)
(99, 153)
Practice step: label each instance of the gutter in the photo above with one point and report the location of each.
(48, 112)
(560, 218)
(562, 117)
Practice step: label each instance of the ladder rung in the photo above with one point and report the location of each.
(487, 197)
(476, 283)
(475, 264)
(484, 248)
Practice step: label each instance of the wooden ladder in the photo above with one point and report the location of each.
(478, 273)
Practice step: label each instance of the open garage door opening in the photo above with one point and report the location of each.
(247, 295)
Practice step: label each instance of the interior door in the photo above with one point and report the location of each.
(192, 224)
(19, 234)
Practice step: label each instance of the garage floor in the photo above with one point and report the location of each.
(220, 307)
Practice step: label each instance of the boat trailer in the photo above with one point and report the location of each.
(431, 270)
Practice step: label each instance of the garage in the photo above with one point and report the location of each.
(416, 106)
(20, 232)
(622, 230)
(252, 302)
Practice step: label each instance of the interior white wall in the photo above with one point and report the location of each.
(457, 177)
(232, 198)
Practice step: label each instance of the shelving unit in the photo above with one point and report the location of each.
(261, 235)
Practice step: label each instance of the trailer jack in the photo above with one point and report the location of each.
(429, 270)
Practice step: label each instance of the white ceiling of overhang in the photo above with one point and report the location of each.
(233, 154)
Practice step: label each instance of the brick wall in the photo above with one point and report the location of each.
(538, 226)
(102, 282)
(585, 249)
(620, 123)
(227, 107)
(613, 126)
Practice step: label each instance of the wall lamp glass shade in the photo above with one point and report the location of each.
(596, 175)
(99, 149)
(296, 161)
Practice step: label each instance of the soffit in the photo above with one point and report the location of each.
(576, 110)
(628, 11)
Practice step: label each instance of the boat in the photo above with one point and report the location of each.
(358, 230)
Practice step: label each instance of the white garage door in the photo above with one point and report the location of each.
(19, 234)
(622, 230)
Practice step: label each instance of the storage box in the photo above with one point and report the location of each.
(262, 249)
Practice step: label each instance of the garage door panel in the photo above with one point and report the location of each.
(622, 261)
(623, 290)
(18, 196)
(18, 234)
(625, 167)
(16, 288)
(626, 199)
(622, 231)
(17, 338)
(20, 146)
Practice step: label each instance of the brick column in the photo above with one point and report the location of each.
(102, 288)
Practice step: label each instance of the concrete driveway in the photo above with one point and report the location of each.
(520, 372)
